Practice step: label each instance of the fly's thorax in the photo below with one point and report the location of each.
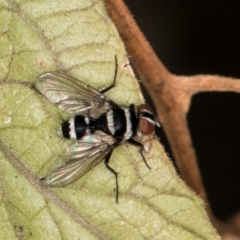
(124, 122)
(131, 122)
(118, 122)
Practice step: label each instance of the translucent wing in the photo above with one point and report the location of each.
(79, 158)
(72, 95)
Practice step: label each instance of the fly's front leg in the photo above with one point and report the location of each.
(106, 161)
(114, 79)
(133, 142)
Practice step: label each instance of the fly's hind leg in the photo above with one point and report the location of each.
(114, 78)
(106, 161)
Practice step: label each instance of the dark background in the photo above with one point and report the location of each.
(203, 37)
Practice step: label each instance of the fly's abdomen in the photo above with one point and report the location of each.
(76, 127)
(65, 130)
(101, 124)
(80, 125)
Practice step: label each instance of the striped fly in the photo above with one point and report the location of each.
(98, 126)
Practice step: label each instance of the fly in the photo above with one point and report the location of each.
(98, 126)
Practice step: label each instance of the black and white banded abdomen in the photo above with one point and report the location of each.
(121, 123)
(76, 127)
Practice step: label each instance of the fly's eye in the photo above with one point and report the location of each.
(145, 107)
(145, 127)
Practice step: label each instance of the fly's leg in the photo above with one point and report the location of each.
(114, 79)
(106, 161)
(133, 142)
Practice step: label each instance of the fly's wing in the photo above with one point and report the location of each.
(72, 95)
(79, 158)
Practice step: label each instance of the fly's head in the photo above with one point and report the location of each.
(146, 126)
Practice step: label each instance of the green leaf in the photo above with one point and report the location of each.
(78, 38)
